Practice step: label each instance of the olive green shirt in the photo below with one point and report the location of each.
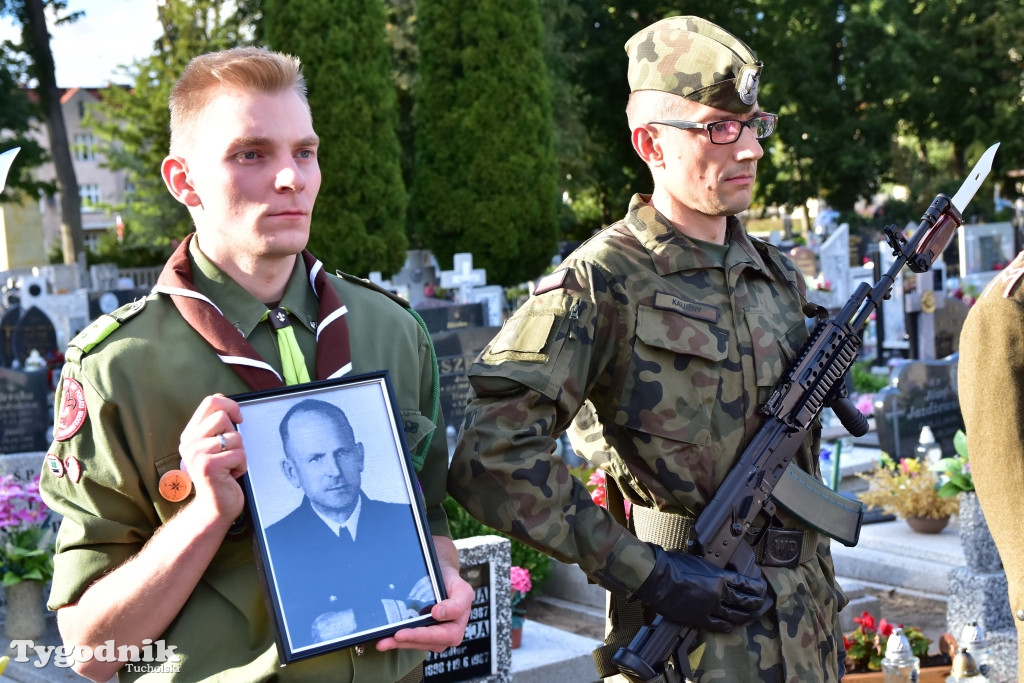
(142, 382)
(991, 382)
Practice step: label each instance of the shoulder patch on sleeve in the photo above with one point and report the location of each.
(374, 286)
(552, 281)
(103, 326)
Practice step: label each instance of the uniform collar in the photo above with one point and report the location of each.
(673, 252)
(241, 308)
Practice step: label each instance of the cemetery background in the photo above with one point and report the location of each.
(42, 309)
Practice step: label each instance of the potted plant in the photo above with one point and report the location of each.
(910, 491)
(865, 648)
(521, 586)
(26, 556)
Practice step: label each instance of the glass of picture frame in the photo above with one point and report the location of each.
(344, 550)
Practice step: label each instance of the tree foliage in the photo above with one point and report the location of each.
(39, 67)
(485, 167)
(17, 111)
(359, 220)
(134, 121)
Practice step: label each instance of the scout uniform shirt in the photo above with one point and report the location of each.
(673, 344)
(136, 388)
(991, 379)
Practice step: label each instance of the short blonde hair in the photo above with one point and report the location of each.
(655, 105)
(251, 69)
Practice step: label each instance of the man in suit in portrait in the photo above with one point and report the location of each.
(343, 562)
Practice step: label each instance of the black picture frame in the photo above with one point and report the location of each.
(325, 591)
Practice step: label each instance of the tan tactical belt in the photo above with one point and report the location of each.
(776, 547)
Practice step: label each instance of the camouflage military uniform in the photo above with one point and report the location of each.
(673, 344)
(991, 379)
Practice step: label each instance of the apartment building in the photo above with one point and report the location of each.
(95, 183)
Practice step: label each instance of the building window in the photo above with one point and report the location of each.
(85, 149)
(90, 195)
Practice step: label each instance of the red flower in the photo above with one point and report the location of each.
(866, 620)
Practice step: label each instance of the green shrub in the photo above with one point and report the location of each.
(464, 525)
(865, 381)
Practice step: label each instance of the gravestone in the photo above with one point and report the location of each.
(34, 331)
(805, 259)
(112, 299)
(485, 653)
(456, 351)
(921, 394)
(25, 416)
(463, 276)
(834, 257)
(949, 321)
(894, 332)
(443, 316)
(10, 317)
(493, 298)
(923, 303)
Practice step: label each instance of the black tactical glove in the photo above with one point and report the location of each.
(691, 591)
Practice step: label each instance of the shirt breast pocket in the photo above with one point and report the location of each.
(776, 342)
(672, 387)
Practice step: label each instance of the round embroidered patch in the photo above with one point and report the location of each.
(72, 411)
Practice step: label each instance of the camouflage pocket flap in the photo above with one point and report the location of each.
(673, 331)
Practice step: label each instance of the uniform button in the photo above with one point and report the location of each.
(74, 468)
(1020, 615)
(175, 485)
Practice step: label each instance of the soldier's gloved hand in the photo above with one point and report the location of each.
(691, 591)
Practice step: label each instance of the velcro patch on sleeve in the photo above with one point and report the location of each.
(523, 337)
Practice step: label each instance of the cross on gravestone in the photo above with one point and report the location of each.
(922, 303)
(463, 276)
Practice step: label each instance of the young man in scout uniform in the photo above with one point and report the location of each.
(991, 379)
(662, 336)
(154, 545)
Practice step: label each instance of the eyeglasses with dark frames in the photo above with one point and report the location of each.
(728, 131)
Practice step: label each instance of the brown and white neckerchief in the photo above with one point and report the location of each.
(333, 355)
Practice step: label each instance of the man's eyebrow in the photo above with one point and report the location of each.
(259, 141)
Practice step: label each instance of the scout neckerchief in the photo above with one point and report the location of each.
(333, 357)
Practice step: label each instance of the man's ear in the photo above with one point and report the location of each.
(360, 455)
(289, 472)
(645, 142)
(175, 174)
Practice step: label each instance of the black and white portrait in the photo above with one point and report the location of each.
(347, 554)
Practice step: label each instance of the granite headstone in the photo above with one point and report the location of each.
(456, 351)
(25, 417)
(921, 394)
(34, 331)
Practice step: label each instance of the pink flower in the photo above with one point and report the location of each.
(520, 580)
(866, 404)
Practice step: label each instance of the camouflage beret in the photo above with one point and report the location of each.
(695, 59)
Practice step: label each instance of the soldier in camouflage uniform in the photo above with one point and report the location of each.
(661, 336)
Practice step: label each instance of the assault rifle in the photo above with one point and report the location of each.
(815, 380)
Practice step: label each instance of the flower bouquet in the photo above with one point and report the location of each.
(26, 543)
(907, 489)
(521, 585)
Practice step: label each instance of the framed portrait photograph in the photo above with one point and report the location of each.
(338, 520)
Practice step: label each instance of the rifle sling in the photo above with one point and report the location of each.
(808, 499)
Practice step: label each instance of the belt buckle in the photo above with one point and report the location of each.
(782, 548)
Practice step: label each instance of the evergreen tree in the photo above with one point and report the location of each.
(359, 219)
(485, 166)
(134, 122)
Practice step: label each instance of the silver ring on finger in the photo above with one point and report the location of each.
(223, 442)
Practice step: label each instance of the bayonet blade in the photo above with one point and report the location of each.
(978, 174)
